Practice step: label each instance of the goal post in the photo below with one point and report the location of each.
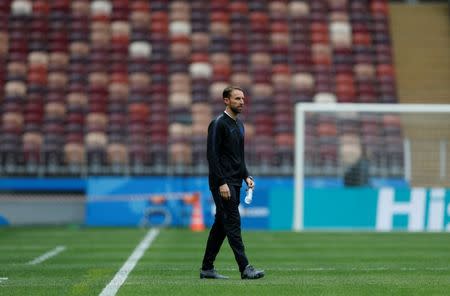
(415, 147)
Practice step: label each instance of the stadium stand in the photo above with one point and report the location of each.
(118, 86)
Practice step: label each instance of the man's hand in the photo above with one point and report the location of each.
(224, 191)
(250, 182)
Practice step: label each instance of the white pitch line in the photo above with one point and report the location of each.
(47, 255)
(2, 279)
(120, 277)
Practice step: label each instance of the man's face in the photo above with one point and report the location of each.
(236, 101)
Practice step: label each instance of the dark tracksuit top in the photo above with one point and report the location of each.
(225, 152)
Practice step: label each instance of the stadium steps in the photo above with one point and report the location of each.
(421, 30)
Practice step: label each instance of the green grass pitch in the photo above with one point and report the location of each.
(307, 263)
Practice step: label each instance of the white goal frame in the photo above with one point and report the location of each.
(302, 108)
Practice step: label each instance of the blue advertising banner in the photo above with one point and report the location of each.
(128, 202)
(327, 204)
(154, 200)
(384, 209)
(340, 208)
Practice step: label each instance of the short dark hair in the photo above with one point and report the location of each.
(229, 89)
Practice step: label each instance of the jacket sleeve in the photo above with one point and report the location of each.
(214, 144)
(246, 173)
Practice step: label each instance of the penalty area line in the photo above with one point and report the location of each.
(47, 255)
(120, 277)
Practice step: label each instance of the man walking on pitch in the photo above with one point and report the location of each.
(227, 169)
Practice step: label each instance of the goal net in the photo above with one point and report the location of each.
(348, 145)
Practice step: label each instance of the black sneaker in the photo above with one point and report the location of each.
(250, 273)
(211, 274)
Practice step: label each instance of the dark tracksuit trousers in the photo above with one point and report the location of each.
(227, 223)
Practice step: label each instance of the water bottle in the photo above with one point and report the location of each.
(249, 196)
